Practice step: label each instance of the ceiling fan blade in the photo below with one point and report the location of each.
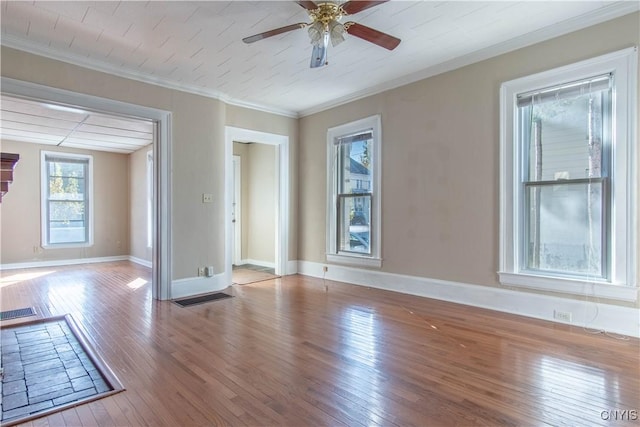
(355, 6)
(273, 32)
(307, 4)
(374, 36)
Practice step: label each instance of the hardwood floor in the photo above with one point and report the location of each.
(297, 351)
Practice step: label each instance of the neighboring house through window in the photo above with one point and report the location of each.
(568, 170)
(353, 234)
(66, 199)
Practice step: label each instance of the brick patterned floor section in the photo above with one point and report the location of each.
(44, 366)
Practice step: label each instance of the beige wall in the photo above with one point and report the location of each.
(138, 204)
(265, 122)
(21, 227)
(440, 159)
(258, 201)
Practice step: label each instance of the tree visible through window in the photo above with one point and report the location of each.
(65, 208)
(565, 135)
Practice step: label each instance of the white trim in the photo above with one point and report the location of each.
(281, 142)
(45, 229)
(354, 260)
(374, 260)
(587, 313)
(609, 12)
(237, 195)
(162, 257)
(198, 285)
(61, 262)
(259, 263)
(623, 280)
(104, 67)
(571, 286)
(140, 261)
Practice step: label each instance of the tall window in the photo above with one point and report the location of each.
(567, 172)
(565, 135)
(66, 192)
(353, 235)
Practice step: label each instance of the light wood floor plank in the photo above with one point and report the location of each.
(299, 351)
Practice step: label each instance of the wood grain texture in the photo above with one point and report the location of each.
(298, 351)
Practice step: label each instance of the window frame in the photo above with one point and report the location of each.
(372, 124)
(44, 204)
(622, 281)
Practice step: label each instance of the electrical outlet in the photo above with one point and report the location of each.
(207, 198)
(325, 268)
(563, 316)
(200, 271)
(209, 271)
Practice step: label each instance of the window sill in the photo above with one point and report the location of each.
(67, 245)
(570, 286)
(354, 260)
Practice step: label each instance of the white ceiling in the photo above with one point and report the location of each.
(196, 46)
(50, 124)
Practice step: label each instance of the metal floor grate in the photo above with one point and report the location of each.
(14, 314)
(186, 302)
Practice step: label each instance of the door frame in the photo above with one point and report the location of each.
(237, 189)
(162, 257)
(281, 143)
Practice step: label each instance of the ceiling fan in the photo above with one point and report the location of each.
(325, 25)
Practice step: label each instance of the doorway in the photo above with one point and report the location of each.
(161, 257)
(280, 144)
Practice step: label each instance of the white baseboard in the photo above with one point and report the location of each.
(60, 262)
(140, 261)
(198, 285)
(611, 318)
(265, 264)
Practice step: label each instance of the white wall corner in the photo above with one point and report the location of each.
(292, 267)
(585, 313)
(198, 285)
(140, 261)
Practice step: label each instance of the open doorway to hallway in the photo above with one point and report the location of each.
(280, 144)
(254, 212)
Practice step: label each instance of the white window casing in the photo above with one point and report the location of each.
(46, 157)
(621, 279)
(334, 255)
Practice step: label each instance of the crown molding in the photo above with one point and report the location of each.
(104, 67)
(612, 11)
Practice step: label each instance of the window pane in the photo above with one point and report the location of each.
(566, 135)
(66, 211)
(354, 220)
(66, 222)
(62, 188)
(354, 173)
(565, 228)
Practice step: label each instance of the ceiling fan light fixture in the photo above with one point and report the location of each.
(336, 32)
(316, 32)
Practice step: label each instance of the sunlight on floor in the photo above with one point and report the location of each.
(137, 283)
(21, 277)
